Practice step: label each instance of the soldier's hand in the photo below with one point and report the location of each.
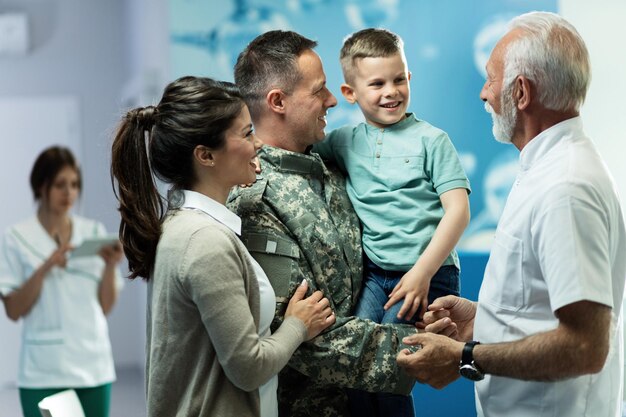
(437, 361)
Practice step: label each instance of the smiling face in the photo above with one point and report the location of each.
(498, 97)
(235, 160)
(63, 192)
(308, 103)
(381, 88)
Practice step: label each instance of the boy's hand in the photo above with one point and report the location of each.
(451, 316)
(413, 287)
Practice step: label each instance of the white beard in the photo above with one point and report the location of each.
(504, 124)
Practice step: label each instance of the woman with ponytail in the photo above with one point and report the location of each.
(210, 305)
(62, 300)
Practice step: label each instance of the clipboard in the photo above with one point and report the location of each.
(92, 246)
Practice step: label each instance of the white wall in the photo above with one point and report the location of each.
(601, 24)
(148, 58)
(78, 50)
(110, 55)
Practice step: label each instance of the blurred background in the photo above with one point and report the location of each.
(70, 68)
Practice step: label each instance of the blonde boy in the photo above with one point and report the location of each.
(408, 188)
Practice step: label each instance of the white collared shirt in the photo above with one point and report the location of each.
(65, 338)
(219, 212)
(561, 239)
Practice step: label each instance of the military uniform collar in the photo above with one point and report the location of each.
(294, 162)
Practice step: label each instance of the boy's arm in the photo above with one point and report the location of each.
(327, 149)
(414, 285)
(324, 149)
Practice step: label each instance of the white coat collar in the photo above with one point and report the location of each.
(541, 144)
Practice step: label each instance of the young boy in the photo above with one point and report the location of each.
(406, 183)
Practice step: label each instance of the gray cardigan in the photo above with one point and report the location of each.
(204, 356)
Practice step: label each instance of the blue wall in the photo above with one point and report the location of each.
(457, 399)
(447, 43)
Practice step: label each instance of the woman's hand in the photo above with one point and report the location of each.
(58, 258)
(314, 311)
(18, 303)
(112, 254)
(107, 293)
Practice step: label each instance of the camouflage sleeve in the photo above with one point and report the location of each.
(354, 352)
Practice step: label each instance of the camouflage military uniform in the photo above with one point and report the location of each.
(298, 223)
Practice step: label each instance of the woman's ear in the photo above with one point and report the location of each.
(204, 155)
(348, 92)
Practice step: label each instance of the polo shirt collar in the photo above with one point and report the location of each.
(199, 201)
(408, 120)
(548, 139)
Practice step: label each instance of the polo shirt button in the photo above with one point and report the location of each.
(406, 161)
(377, 155)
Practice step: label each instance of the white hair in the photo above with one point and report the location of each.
(551, 54)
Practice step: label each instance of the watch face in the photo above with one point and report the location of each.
(470, 372)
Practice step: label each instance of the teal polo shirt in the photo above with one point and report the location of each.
(395, 176)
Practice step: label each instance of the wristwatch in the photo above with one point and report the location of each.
(467, 367)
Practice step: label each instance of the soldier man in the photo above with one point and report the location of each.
(297, 221)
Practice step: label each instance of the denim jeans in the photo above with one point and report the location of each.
(379, 283)
(377, 286)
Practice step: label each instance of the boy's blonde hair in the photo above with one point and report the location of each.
(368, 43)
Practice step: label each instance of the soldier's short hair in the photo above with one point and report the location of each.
(270, 61)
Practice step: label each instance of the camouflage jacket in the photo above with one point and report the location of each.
(298, 223)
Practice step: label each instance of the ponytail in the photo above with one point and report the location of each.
(193, 111)
(140, 205)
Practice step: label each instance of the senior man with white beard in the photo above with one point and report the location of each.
(545, 337)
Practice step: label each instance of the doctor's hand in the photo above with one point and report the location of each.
(436, 363)
(451, 316)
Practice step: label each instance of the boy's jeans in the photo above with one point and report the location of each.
(377, 286)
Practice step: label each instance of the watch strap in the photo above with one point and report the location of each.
(467, 357)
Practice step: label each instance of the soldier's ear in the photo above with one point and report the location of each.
(275, 100)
